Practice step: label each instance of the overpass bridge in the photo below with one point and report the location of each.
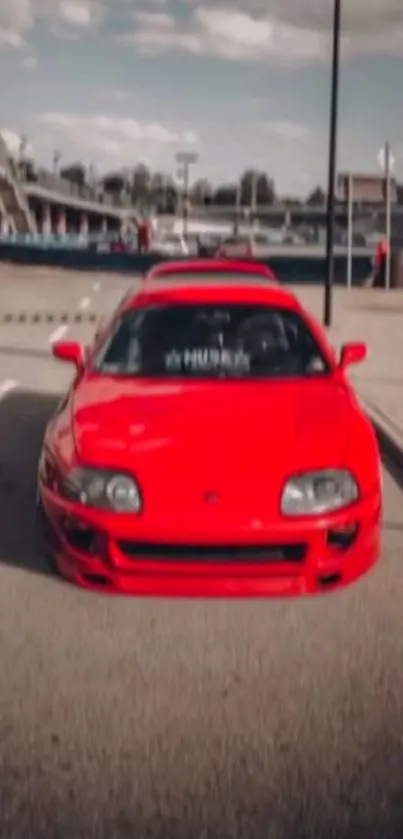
(49, 204)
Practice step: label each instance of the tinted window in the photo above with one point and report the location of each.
(211, 341)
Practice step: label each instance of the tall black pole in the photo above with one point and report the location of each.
(185, 208)
(331, 200)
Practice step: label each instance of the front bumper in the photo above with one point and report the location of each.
(119, 554)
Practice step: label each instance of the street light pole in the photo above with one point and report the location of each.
(331, 199)
(185, 160)
(56, 162)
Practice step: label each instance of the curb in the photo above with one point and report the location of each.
(46, 317)
(390, 437)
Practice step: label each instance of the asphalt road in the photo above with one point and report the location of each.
(142, 718)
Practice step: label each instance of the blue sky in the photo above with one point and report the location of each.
(240, 82)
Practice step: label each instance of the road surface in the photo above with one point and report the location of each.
(142, 718)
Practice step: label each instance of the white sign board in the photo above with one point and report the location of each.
(382, 160)
(186, 157)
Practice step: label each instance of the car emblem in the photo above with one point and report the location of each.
(210, 497)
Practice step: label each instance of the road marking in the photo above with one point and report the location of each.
(58, 333)
(96, 286)
(7, 386)
(86, 301)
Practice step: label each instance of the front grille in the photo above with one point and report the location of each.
(214, 553)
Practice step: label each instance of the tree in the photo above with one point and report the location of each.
(158, 181)
(201, 192)
(317, 198)
(75, 173)
(114, 183)
(256, 185)
(141, 182)
(149, 190)
(399, 194)
(291, 201)
(163, 193)
(225, 195)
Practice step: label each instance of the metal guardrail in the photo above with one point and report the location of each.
(69, 240)
(288, 267)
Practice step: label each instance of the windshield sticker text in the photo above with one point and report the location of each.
(205, 359)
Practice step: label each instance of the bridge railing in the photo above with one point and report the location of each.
(54, 183)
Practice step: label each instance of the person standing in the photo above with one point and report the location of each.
(377, 277)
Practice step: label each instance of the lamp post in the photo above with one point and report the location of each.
(21, 164)
(22, 148)
(331, 199)
(185, 161)
(56, 162)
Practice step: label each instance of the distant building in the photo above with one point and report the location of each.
(367, 189)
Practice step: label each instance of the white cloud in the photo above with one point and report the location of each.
(114, 140)
(279, 30)
(288, 130)
(30, 62)
(17, 17)
(115, 94)
(10, 38)
(13, 143)
(78, 14)
(368, 26)
(229, 33)
(359, 17)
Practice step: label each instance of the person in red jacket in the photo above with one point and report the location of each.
(118, 246)
(381, 252)
(143, 237)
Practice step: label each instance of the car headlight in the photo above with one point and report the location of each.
(315, 493)
(103, 489)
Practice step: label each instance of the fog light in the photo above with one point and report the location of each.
(342, 538)
(79, 535)
(329, 580)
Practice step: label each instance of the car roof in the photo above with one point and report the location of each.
(215, 290)
(210, 266)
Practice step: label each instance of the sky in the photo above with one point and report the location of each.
(238, 82)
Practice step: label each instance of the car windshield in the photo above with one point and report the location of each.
(195, 341)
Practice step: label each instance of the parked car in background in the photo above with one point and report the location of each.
(291, 237)
(192, 243)
(250, 245)
(209, 244)
(172, 244)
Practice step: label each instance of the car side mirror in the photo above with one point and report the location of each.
(352, 354)
(69, 351)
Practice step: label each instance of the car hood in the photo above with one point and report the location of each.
(281, 426)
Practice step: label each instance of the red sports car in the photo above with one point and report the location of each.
(210, 445)
(210, 267)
